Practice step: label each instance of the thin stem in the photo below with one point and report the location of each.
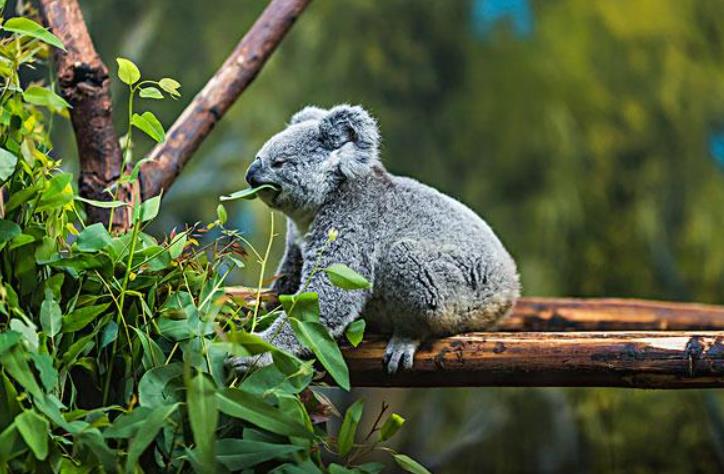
(126, 151)
(262, 271)
(121, 299)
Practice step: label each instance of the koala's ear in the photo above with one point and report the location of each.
(346, 123)
(307, 113)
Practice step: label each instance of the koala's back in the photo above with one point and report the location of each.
(419, 211)
(440, 268)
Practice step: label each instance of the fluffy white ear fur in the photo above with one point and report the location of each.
(307, 113)
(347, 123)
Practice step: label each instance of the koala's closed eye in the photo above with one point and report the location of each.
(278, 162)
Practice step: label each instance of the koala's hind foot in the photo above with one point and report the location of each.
(244, 364)
(400, 351)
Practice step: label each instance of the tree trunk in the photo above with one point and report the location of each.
(84, 83)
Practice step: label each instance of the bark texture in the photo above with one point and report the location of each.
(84, 83)
(681, 359)
(209, 105)
(611, 314)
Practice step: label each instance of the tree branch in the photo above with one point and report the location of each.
(690, 353)
(209, 105)
(611, 314)
(84, 83)
(683, 359)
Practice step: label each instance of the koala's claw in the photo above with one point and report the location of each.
(400, 351)
(244, 364)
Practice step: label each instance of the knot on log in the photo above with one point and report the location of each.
(83, 80)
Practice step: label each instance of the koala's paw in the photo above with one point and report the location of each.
(400, 351)
(244, 364)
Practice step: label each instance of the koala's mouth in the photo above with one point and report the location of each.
(270, 193)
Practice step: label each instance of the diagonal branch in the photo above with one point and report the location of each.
(209, 105)
(84, 83)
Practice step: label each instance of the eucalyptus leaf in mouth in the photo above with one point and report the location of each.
(249, 193)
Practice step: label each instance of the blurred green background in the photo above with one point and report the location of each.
(589, 134)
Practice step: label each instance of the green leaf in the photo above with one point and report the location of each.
(344, 277)
(152, 387)
(355, 332)
(9, 404)
(21, 197)
(255, 410)
(8, 231)
(127, 71)
(370, 468)
(149, 124)
(128, 424)
(251, 343)
(78, 349)
(203, 416)
(57, 194)
(316, 337)
(410, 465)
(15, 364)
(304, 467)
(9, 444)
(27, 27)
(152, 354)
(155, 421)
(150, 92)
(272, 379)
(101, 204)
(176, 248)
(170, 85)
(137, 169)
(93, 440)
(48, 373)
(109, 334)
(34, 429)
(393, 423)
(47, 251)
(45, 97)
(81, 317)
(221, 213)
(21, 240)
(304, 306)
(8, 340)
(81, 262)
(50, 315)
(28, 330)
(249, 193)
(345, 438)
(238, 454)
(93, 238)
(147, 210)
(8, 161)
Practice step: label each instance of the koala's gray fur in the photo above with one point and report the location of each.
(436, 268)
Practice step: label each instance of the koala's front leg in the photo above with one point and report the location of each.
(337, 307)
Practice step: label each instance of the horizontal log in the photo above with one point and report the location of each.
(679, 359)
(611, 314)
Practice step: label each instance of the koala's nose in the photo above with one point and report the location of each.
(252, 173)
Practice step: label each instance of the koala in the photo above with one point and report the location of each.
(436, 268)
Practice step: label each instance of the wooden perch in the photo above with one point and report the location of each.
(611, 314)
(84, 83)
(681, 359)
(209, 105)
(690, 357)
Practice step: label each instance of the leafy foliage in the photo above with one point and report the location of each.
(112, 345)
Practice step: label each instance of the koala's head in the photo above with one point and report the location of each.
(317, 151)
